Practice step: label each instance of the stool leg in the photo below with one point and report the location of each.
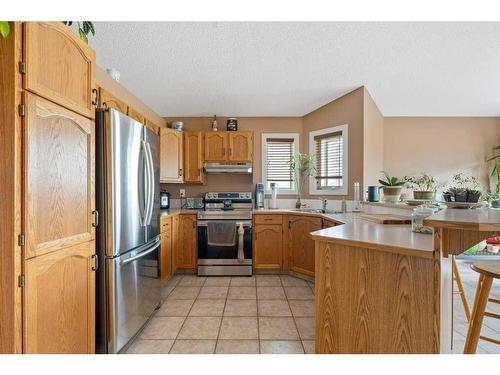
(480, 301)
(458, 279)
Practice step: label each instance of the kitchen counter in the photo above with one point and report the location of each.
(176, 211)
(357, 231)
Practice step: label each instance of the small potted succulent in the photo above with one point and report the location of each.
(464, 189)
(494, 197)
(391, 187)
(424, 186)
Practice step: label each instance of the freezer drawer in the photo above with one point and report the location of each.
(134, 293)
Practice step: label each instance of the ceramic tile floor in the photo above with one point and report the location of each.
(247, 315)
(263, 314)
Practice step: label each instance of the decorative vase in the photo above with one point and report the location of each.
(214, 124)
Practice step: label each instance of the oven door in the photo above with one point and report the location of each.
(224, 255)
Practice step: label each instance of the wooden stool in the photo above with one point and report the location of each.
(487, 272)
(461, 291)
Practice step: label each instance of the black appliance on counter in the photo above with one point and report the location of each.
(234, 212)
(164, 199)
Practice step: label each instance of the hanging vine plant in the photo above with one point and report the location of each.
(84, 28)
(4, 29)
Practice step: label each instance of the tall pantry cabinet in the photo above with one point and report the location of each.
(47, 110)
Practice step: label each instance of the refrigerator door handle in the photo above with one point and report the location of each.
(151, 184)
(140, 255)
(147, 187)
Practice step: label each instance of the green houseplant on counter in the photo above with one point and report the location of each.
(391, 187)
(494, 196)
(423, 186)
(464, 189)
(303, 167)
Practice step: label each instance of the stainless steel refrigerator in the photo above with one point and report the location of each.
(127, 199)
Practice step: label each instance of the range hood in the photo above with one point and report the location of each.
(241, 168)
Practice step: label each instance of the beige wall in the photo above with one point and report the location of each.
(373, 141)
(258, 125)
(345, 110)
(440, 146)
(120, 92)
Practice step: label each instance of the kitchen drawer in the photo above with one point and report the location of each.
(165, 224)
(268, 219)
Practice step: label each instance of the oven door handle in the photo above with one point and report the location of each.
(246, 224)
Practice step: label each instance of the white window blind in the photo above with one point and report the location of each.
(329, 161)
(278, 162)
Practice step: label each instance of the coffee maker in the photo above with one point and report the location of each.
(259, 195)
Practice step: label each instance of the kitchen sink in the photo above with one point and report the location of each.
(316, 211)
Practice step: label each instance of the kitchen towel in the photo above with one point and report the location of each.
(221, 233)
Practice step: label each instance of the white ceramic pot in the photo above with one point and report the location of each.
(392, 194)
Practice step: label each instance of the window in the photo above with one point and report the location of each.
(277, 153)
(329, 146)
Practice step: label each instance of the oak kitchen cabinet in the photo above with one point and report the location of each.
(229, 146)
(187, 243)
(194, 151)
(48, 91)
(166, 248)
(108, 100)
(268, 246)
(59, 67)
(301, 245)
(171, 156)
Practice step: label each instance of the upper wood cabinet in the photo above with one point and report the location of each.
(194, 157)
(301, 245)
(107, 100)
(268, 246)
(59, 66)
(59, 301)
(240, 146)
(187, 246)
(59, 183)
(229, 146)
(150, 124)
(216, 146)
(171, 156)
(135, 115)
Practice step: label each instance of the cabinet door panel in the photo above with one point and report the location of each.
(171, 155)
(166, 250)
(188, 243)
(301, 243)
(59, 301)
(59, 182)
(268, 246)
(216, 148)
(241, 146)
(193, 157)
(135, 115)
(59, 66)
(107, 100)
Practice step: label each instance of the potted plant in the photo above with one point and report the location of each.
(424, 186)
(464, 189)
(391, 187)
(303, 167)
(493, 199)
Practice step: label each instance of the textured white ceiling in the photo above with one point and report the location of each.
(290, 69)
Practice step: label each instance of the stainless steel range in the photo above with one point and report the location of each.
(225, 234)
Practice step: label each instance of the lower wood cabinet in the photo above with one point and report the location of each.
(301, 246)
(268, 246)
(166, 248)
(187, 243)
(59, 301)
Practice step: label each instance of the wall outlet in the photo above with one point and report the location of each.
(182, 193)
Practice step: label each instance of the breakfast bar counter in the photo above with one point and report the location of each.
(383, 289)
